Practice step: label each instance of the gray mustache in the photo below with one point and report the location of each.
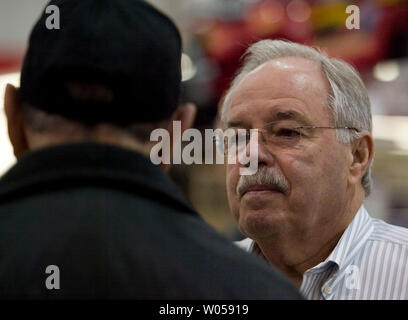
(263, 176)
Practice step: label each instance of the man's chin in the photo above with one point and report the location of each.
(261, 222)
(262, 200)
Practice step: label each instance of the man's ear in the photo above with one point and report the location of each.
(362, 155)
(15, 122)
(186, 114)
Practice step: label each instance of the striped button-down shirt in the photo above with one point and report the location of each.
(370, 261)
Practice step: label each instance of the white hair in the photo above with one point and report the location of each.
(348, 100)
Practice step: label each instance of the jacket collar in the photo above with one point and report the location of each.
(90, 164)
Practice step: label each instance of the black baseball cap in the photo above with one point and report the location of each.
(126, 46)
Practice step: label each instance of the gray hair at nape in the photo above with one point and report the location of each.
(349, 103)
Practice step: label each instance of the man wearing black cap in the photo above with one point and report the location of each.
(84, 213)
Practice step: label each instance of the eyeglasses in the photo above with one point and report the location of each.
(277, 134)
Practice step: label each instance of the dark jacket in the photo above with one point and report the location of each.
(116, 227)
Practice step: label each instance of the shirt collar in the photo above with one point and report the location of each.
(352, 239)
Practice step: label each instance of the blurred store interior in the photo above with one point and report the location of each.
(216, 34)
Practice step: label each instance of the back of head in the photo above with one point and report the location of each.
(112, 62)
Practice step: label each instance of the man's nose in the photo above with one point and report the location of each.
(265, 157)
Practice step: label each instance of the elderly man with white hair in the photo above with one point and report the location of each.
(303, 210)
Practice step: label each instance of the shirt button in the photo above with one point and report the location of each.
(327, 290)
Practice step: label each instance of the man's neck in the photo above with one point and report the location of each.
(42, 141)
(299, 260)
(294, 254)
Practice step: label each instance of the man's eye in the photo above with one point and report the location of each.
(284, 132)
(238, 136)
(232, 139)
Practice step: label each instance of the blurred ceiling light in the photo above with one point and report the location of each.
(265, 17)
(271, 12)
(12, 78)
(299, 11)
(386, 71)
(187, 67)
(392, 128)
